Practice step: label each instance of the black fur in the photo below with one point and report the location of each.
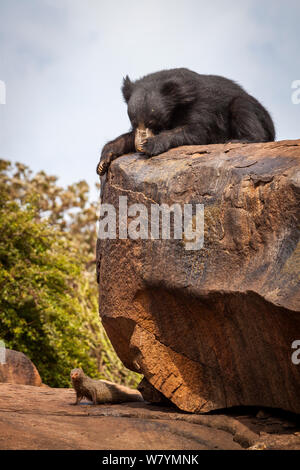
(182, 107)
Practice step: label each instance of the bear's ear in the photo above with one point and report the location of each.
(127, 88)
(183, 93)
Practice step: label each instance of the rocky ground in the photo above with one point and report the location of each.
(44, 418)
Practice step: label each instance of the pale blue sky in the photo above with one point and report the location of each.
(63, 63)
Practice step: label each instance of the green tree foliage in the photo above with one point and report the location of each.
(48, 290)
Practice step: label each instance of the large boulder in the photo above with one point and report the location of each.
(16, 368)
(209, 328)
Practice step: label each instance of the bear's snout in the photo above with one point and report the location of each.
(141, 136)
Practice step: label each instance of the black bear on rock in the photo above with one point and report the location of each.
(180, 107)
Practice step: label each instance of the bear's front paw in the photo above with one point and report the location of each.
(153, 147)
(104, 163)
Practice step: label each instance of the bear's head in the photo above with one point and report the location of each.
(151, 105)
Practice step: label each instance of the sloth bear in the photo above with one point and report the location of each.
(180, 107)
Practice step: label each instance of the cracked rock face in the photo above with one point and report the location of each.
(209, 328)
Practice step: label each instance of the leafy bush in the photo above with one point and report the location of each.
(48, 301)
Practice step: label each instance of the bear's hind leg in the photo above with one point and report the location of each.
(250, 121)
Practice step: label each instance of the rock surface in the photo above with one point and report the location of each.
(18, 369)
(44, 418)
(210, 328)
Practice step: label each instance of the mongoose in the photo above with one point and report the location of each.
(100, 391)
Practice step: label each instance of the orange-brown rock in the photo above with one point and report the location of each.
(210, 328)
(45, 418)
(18, 369)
